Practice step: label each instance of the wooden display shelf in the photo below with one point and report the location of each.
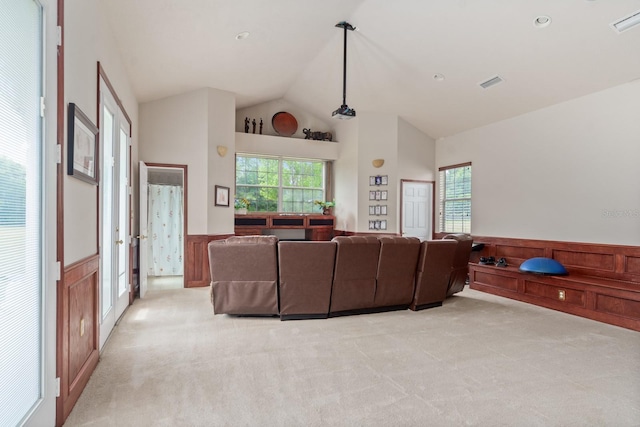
(316, 226)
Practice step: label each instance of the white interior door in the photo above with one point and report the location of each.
(417, 209)
(114, 213)
(143, 248)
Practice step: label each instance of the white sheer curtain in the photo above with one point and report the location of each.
(165, 230)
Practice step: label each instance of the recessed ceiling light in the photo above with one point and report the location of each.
(438, 77)
(243, 35)
(542, 21)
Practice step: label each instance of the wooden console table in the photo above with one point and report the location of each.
(316, 226)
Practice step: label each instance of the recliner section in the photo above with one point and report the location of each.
(306, 277)
(244, 275)
(259, 275)
(433, 272)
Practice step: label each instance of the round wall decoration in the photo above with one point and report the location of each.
(284, 123)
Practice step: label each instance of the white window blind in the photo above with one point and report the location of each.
(20, 209)
(455, 198)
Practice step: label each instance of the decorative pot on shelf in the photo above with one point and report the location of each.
(326, 211)
(241, 211)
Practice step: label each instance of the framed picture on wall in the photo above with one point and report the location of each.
(383, 210)
(222, 196)
(82, 146)
(384, 195)
(372, 195)
(384, 180)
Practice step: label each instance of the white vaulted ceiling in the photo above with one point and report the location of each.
(294, 52)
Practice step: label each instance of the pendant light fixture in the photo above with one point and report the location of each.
(344, 112)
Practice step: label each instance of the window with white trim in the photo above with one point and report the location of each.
(455, 198)
(279, 184)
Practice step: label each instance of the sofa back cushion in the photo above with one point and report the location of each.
(306, 276)
(354, 277)
(460, 269)
(433, 272)
(395, 277)
(244, 275)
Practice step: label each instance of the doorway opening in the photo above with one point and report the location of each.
(163, 249)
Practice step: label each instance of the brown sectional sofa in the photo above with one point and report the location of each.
(259, 275)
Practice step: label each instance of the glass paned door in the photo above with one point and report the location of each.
(21, 219)
(114, 196)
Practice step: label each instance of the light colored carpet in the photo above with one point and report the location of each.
(478, 360)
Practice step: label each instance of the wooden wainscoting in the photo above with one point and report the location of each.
(77, 331)
(196, 272)
(603, 282)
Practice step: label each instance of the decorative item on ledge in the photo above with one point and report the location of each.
(326, 206)
(377, 163)
(241, 205)
(317, 136)
(284, 123)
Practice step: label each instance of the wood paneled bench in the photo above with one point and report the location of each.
(603, 282)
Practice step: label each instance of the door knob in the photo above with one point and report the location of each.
(119, 242)
(141, 236)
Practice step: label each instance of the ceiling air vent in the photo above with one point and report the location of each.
(627, 23)
(491, 82)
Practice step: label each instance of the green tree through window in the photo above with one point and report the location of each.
(273, 184)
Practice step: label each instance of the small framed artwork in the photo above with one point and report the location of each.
(372, 195)
(383, 209)
(378, 180)
(384, 180)
(378, 194)
(372, 225)
(378, 210)
(384, 195)
(222, 196)
(372, 180)
(82, 146)
(372, 210)
(383, 224)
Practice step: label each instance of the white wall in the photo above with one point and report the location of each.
(407, 152)
(377, 139)
(567, 172)
(265, 111)
(174, 130)
(288, 147)
(345, 174)
(416, 153)
(87, 40)
(221, 170)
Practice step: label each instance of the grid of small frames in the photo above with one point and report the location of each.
(377, 196)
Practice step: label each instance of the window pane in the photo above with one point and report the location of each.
(260, 180)
(20, 209)
(455, 200)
